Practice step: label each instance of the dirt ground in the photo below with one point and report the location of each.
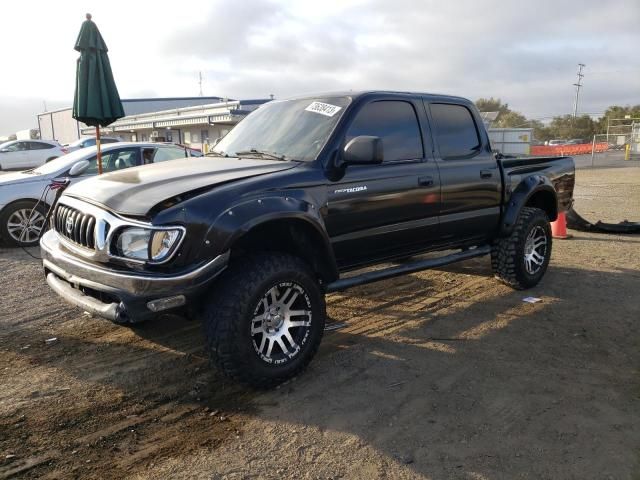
(445, 374)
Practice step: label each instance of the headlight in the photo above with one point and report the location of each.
(146, 244)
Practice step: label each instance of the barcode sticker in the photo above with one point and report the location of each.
(323, 109)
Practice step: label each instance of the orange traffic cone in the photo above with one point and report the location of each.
(559, 227)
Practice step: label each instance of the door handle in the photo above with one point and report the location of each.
(486, 174)
(425, 181)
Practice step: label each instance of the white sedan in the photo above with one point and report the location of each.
(21, 224)
(21, 154)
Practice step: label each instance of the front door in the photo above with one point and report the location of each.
(16, 156)
(376, 211)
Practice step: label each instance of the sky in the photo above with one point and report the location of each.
(525, 53)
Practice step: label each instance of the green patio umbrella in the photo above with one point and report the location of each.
(96, 101)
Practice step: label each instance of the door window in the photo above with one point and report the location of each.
(40, 146)
(115, 160)
(167, 153)
(455, 130)
(14, 147)
(396, 123)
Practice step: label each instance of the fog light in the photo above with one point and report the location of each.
(166, 303)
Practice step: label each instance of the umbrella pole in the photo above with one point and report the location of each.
(99, 156)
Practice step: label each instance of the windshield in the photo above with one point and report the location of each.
(59, 164)
(6, 144)
(292, 129)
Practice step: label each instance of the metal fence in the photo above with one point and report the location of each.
(604, 150)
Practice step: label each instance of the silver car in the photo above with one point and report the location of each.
(21, 224)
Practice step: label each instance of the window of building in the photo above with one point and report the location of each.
(396, 123)
(204, 136)
(455, 130)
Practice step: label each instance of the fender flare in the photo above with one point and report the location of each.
(526, 189)
(236, 221)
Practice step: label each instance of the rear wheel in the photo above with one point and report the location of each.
(265, 323)
(21, 224)
(521, 259)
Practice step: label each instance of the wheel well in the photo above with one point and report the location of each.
(31, 200)
(292, 236)
(546, 201)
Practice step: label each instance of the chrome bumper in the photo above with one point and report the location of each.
(66, 274)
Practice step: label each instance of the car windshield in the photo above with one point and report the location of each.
(61, 163)
(289, 129)
(6, 144)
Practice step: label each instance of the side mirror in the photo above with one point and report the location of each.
(79, 168)
(363, 150)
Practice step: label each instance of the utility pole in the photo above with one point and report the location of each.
(578, 85)
(200, 82)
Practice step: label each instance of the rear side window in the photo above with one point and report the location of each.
(395, 123)
(40, 146)
(455, 130)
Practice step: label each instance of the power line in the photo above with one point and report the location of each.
(578, 85)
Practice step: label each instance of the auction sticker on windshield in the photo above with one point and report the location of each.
(323, 108)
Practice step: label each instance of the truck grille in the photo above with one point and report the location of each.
(76, 226)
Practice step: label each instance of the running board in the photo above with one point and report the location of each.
(377, 275)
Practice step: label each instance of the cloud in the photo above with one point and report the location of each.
(526, 54)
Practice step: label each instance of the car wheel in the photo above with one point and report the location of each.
(521, 259)
(265, 323)
(21, 224)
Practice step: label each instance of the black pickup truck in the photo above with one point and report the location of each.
(252, 237)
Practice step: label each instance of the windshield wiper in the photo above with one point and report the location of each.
(213, 153)
(261, 153)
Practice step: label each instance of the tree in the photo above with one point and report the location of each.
(507, 118)
(616, 112)
(567, 127)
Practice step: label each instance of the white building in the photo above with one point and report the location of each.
(187, 120)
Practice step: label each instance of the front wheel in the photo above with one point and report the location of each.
(21, 223)
(521, 259)
(265, 323)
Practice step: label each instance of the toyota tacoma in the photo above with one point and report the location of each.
(295, 202)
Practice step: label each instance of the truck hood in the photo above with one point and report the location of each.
(135, 191)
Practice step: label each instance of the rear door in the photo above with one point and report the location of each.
(377, 211)
(469, 175)
(40, 152)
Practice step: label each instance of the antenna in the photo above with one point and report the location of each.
(200, 83)
(578, 85)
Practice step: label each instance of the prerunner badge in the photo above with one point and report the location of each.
(323, 109)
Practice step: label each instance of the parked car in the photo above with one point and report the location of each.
(301, 192)
(90, 142)
(556, 143)
(576, 141)
(21, 154)
(20, 191)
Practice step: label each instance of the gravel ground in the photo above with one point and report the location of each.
(441, 374)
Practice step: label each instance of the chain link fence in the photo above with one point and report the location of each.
(603, 150)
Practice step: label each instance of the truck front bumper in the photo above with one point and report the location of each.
(121, 296)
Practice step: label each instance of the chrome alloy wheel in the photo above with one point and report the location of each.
(535, 250)
(281, 323)
(25, 225)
